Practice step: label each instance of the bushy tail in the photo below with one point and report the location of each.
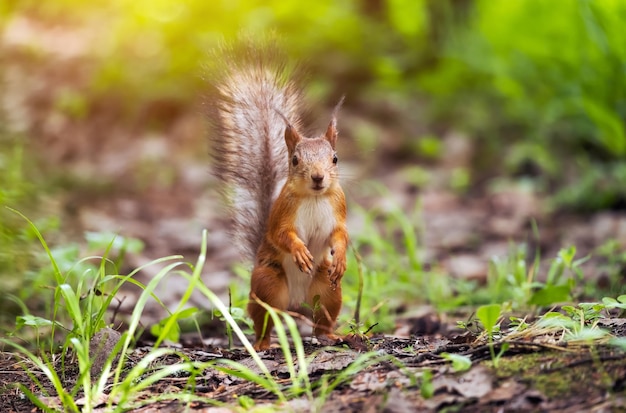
(249, 153)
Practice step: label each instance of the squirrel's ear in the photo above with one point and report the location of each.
(331, 131)
(292, 137)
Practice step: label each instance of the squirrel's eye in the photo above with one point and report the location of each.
(335, 159)
(294, 160)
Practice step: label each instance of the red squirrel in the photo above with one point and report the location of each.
(289, 210)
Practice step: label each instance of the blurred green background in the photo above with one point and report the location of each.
(537, 87)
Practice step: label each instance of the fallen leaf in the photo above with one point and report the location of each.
(368, 382)
(475, 383)
(506, 391)
(331, 361)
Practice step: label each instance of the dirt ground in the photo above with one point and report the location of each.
(156, 186)
(534, 374)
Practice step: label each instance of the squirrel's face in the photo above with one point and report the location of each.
(313, 162)
(313, 166)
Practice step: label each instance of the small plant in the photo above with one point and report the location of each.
(84, 306)
(510, 280)
(518, 324)
(168, 328)
(612, 303)
(489, 316)
(556, 289)
(394, 273)
(585, 313)
(459, 362)
(83, 301)
(427, 389)
(570, 329)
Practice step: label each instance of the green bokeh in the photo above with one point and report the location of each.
(539, 87)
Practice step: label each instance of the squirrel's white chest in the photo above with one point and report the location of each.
(315, 222)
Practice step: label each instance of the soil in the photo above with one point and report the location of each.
(156, 186)
(532, 375)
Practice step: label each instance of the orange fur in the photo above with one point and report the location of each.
(320, 270)
(298, 240)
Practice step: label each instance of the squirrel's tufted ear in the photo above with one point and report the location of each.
(331, 131)
(292, 137)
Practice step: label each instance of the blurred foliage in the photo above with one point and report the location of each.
(538, 86)
(19, 264)
(541, 87)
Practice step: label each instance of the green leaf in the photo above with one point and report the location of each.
(518, 323)
(459, 362)
(32, 321)
(553, 319)
(556, 271)
(104, 240)
(587, 334)
(567, 255)
(172, 333)
(72, 302)
(427, 389)
(610, 302)
(186, 313)
(246, 402)
(610, 127)
(550, 294)
(488, 316)
(569, 309)
(170, 330)
(237, 313)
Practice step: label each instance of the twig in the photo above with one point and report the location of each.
(359, 267)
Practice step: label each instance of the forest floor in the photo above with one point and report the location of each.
(534, 374)
(156, 186)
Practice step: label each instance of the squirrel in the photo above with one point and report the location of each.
(289, 210)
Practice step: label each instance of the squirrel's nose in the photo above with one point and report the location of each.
(317, 178)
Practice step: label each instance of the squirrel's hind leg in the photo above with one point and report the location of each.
(269, 285)
(326, 301)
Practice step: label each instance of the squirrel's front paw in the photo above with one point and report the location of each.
(303, 258)
(336, 270)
